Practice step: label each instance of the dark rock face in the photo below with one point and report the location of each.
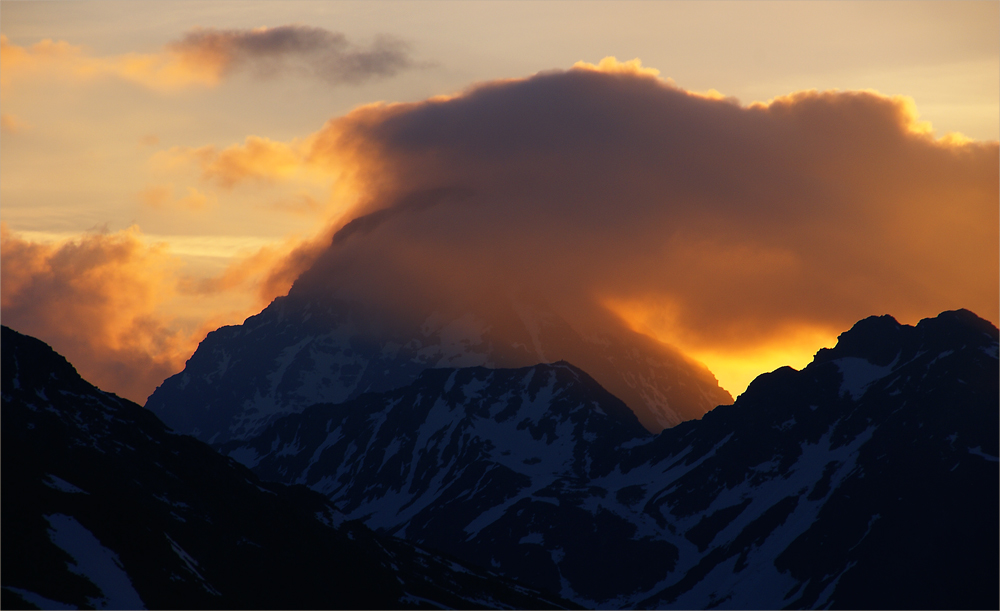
(867, 479)
(306, 348)
(105, 508)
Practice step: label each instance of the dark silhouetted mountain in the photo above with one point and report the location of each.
(308, 348)
(867, 480)
(103, 507)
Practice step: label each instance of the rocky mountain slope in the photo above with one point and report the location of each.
(104, 507)
(307, 348)
(868, 479)
(506, 468)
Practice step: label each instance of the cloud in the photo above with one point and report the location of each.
(269, 51)
(204, 57)
(611, 65)
(719, 228)
(164, 71)
(95, 301)
(257, 159)
(122, 311)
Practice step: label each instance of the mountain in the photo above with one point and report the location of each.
(505, 468)
(104, 507)
(868, 479)
(309, 347)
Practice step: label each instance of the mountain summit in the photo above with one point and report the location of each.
(309, 347)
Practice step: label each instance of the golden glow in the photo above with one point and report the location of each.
(611, 65)
(739, 362)
(904, 107)
(712, 94)
(736, 368)
(955, 139)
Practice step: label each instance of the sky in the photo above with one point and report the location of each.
(744, 181)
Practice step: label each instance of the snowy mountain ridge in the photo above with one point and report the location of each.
(301, 351)
(539, 473)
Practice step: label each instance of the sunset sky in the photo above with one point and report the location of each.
(744, 181)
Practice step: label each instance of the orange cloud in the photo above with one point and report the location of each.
(120, 309)
(203, 57)
(94, 300)
(257, 158)
(162, 71)
(753, 227)
(307, 164)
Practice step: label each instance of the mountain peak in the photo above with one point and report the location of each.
(32, 364)
(880, 339)
(875, 339)
(958, 324)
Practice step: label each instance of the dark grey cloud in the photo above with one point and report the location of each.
(271, 51)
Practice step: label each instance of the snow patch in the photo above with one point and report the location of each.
(95, 562)
(858, 374)
(62, 485)
(390, 450)
(192, 565)
(978, 451)
(290, 449)
(38, 600)
(246, 456)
